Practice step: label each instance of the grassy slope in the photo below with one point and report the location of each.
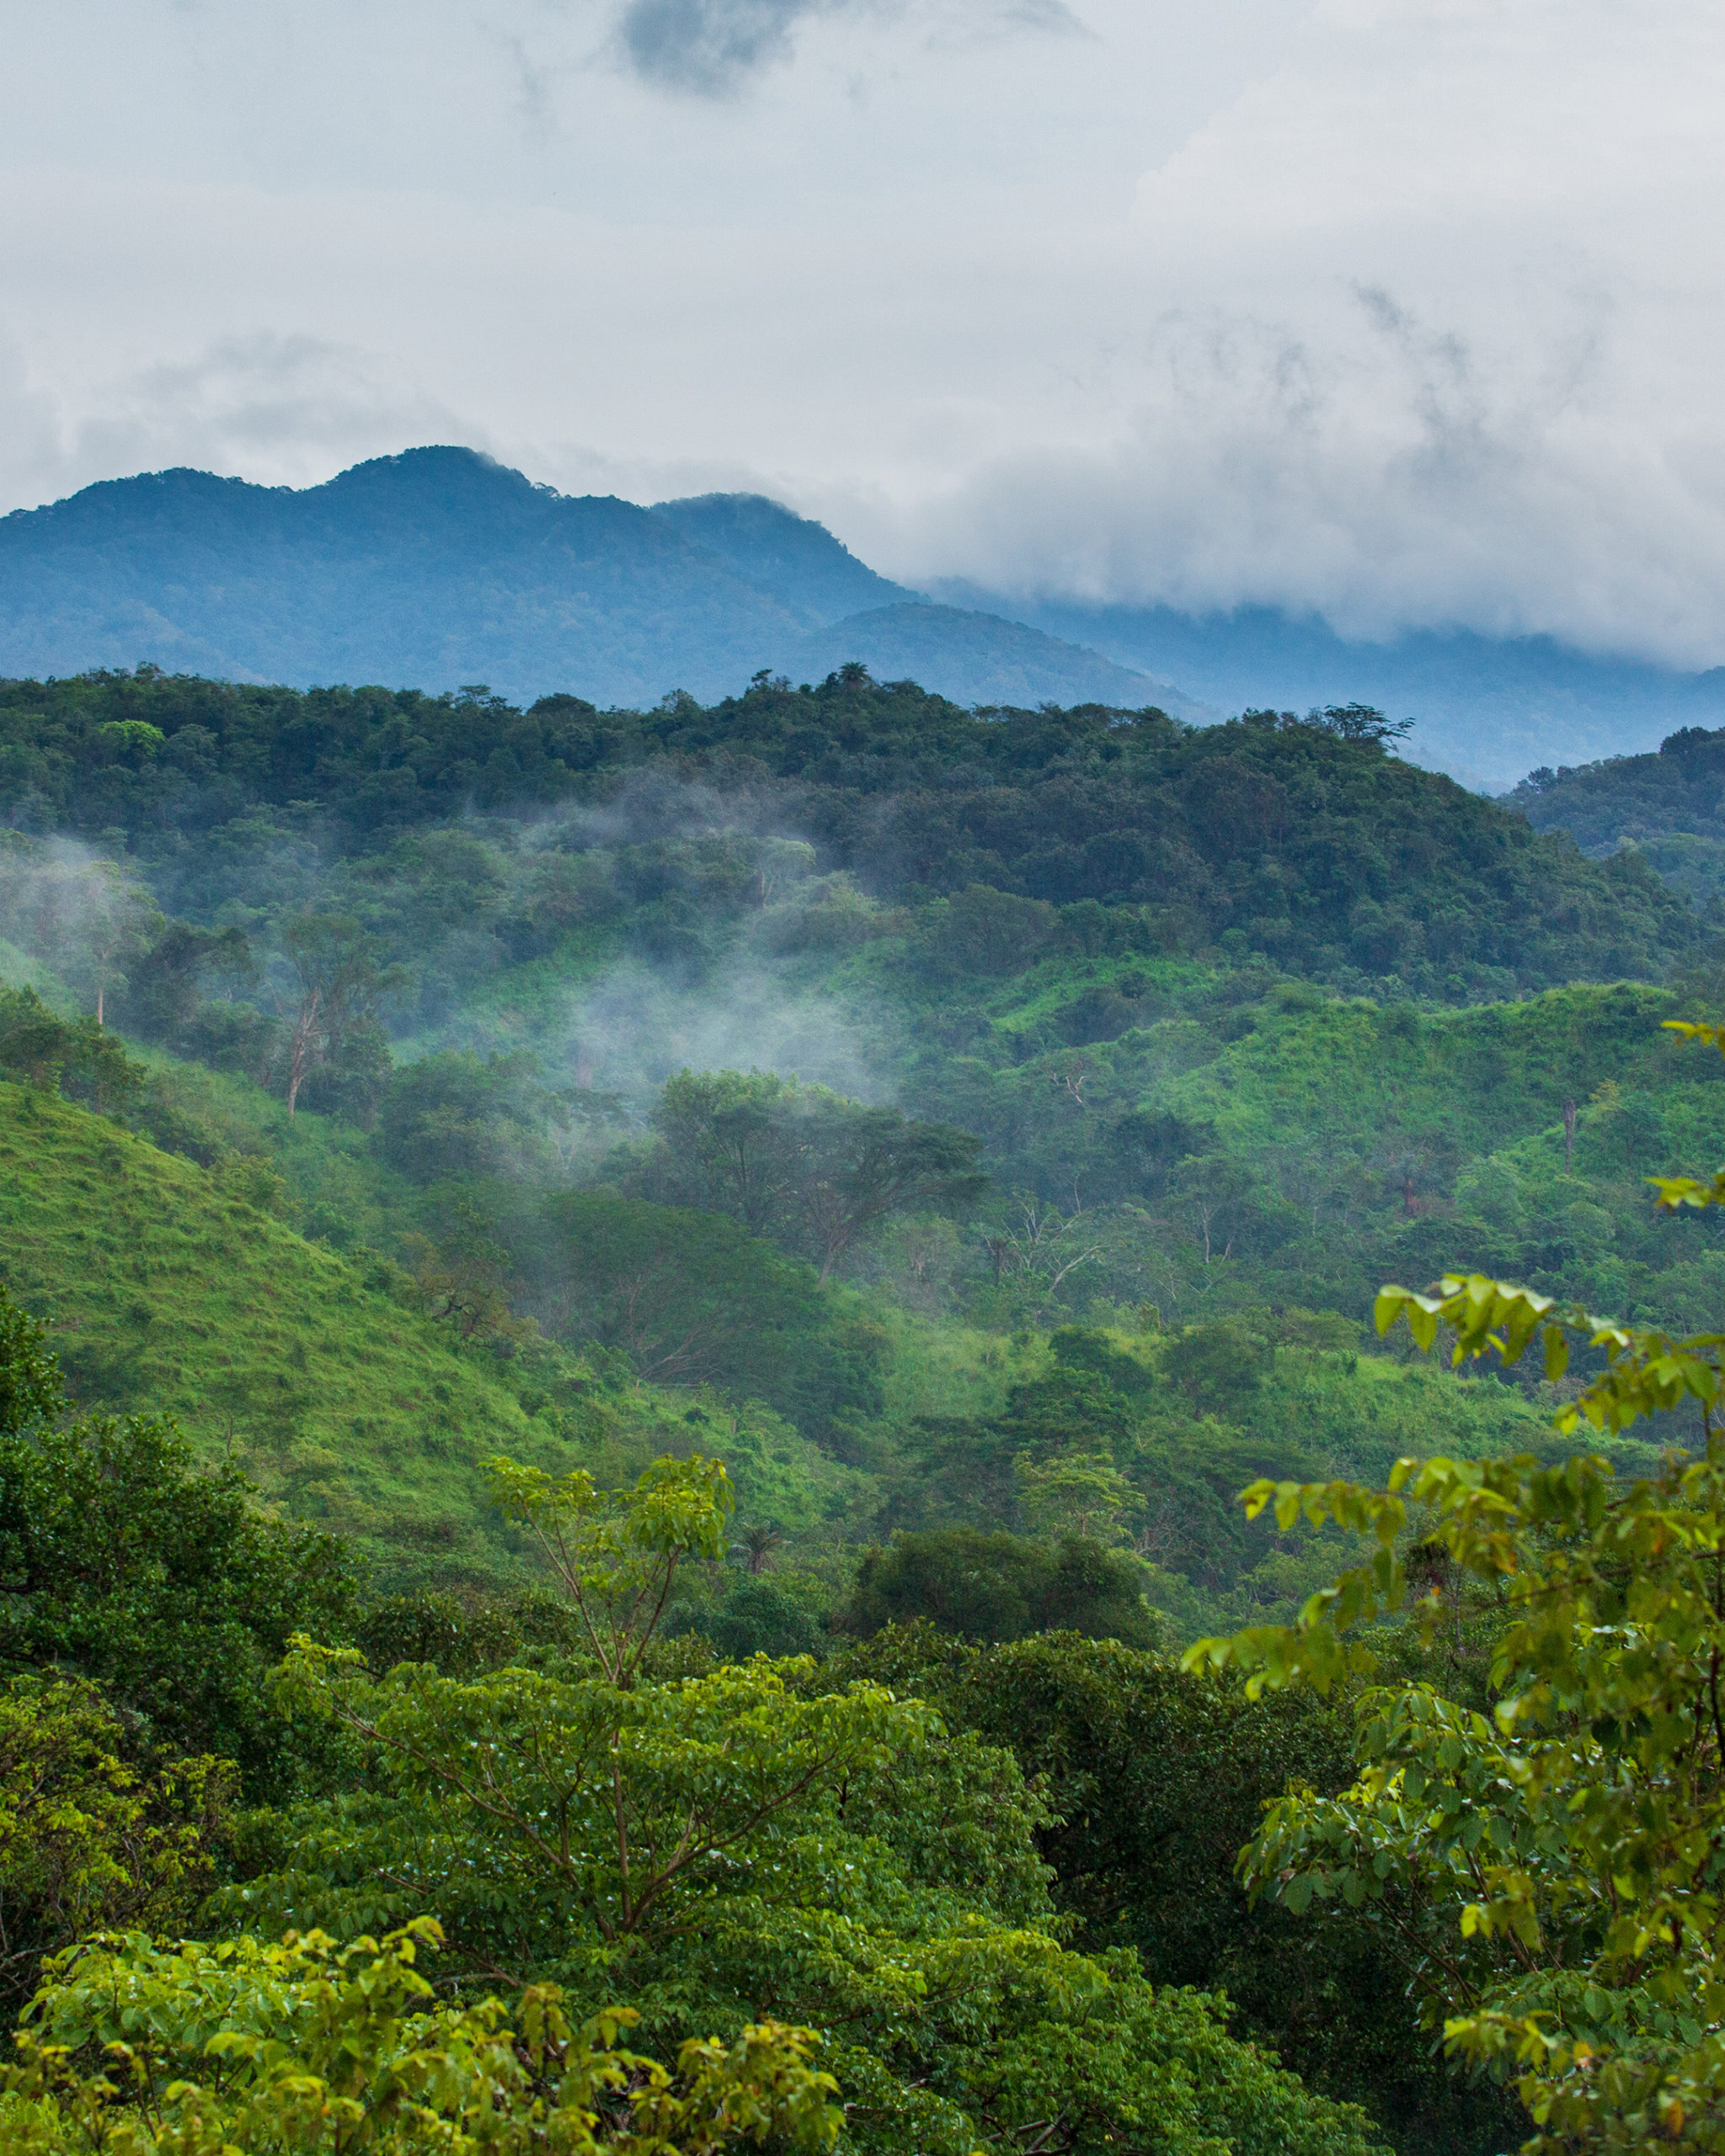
(1478, 1076)
(167, 1293)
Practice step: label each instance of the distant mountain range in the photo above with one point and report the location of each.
(1488, 708)
(439, 568)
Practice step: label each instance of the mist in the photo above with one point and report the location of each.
(722, 903)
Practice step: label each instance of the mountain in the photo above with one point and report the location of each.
(976, 657)
(1486, 708)
(434, 567)
(439, 568)
(794, 559)
(1669, 807)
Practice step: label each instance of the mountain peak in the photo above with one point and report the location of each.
(433, 465)
(793, 557)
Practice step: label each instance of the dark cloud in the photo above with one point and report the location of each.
(709, 46)
(712, 47)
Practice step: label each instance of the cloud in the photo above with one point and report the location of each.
(708, 47)
(1422, 336)
(712, 48)
(1370, 465)
(1400, 310)
(282, 409)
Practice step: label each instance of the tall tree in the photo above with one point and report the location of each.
(336, 982)
(801, 1163)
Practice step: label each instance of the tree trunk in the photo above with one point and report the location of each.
(300, 1052)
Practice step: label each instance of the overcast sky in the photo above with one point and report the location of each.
(1409, 311)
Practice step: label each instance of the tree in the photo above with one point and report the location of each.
(86, 917)
(78, 1057)
(161, 990)
(726, 1133)
(678, 1291)
(743, 1845)
(306, 2046)
(88, 1838)
(1079, 1493)
(460, 1115)
(692, 1298)
(755, 1546)
(1002, 1587)
(820, 1172)
(1038, 1253)
(120, 1561)
(114, 919)
(1361, 723)
(464, 1279)
(1550, 1872)
(336, 983)
(616, 1553)
(1155, 1778)
(861, 1166)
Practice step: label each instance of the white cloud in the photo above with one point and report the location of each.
(284, 409)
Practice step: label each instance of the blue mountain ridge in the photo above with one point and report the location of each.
(439, 568)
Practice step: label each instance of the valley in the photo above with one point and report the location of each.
(986, 1132)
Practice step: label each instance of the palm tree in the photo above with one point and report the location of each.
(757, 1545)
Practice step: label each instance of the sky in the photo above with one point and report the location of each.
(1407, 311)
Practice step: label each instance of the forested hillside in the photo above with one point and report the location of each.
(985, 1133)
(1299, 838)
(1666, 808)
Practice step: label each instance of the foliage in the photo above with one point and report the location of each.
(1633, 799)
(616, 1553)
(162, 995)
(460, 1635)
(1000, 1587)
(783, 1612)
(334, 983)
(1329, 852)
(1156, 1777)
(716, 1845)
(1549, 1870)
(315, 2047)
(90, 917)
(460, 1115)
(693, 1298)
(88, 1838)
(463, 1280)
(1223, 1014)
(168, 1586)
(805, 1164)
(78, 1058)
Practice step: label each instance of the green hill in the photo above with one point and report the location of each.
(1665, 807)
(168, 1291)
(171, 1289)
(1300, 839)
